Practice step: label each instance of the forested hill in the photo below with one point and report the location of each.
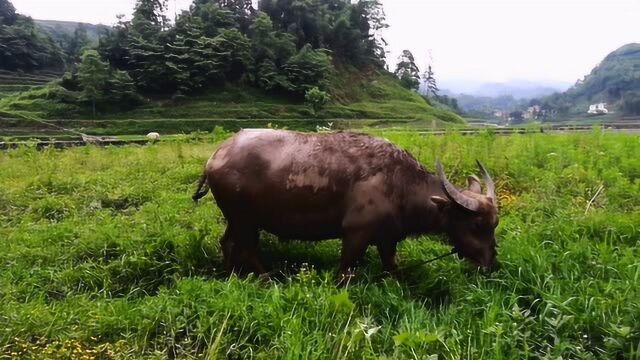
(284, 51)
(615, 81)
(23, 45)
(64, 31)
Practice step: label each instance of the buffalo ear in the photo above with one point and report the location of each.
(473, 184)
(440, 201)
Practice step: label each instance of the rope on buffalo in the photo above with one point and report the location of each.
(380, 275)
(453, 251)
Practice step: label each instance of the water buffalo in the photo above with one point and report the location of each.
(357, 187)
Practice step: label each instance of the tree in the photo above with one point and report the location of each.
(23, 46)
(316, 99)
(114, 45)
(271, 50)
(372, 21)
(148, 17)
(351, 30)
(232, 51)
(100, 84)
(8, 15)
(147, 46)
(213, 17)
(307, 69)
(93, 75)
(430, 85)
(407, 71)
(121, 90)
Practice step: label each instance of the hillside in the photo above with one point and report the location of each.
(373, 99)
(615, 81)
(218, 61)
(12, 83)
(64, 30)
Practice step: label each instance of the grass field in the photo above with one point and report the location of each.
(104, 256)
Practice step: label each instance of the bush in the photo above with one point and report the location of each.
(316, 99)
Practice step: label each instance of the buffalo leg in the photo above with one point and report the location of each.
(226, 245)
(244, 250)
(387, 251)
(354, 246)
(253, 253)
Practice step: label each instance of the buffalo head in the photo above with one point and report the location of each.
(470, 218)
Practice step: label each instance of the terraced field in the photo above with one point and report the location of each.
(14, 82)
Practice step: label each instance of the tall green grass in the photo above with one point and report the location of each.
(104, 255)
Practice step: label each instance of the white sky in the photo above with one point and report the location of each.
(489, 40)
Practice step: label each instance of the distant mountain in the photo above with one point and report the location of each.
(62, 30)
(518, 89)
(487, 105)
(615, 81)
(477, 98)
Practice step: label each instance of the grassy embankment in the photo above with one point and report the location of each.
(103, 254)
(358, 100)
(13, 83)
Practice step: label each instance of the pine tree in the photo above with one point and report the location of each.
(148, 61)
(93, 75)
(407, 71)
(114, 46)
(430, 84)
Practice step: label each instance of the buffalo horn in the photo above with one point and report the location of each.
(491, 188)
(454, 194)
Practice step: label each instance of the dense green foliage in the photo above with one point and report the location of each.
(23, 46)
(617, 75)
(105, 255)
(100, 84)
(316, 99)
(449, 101)
(275, 53)
(218, 42)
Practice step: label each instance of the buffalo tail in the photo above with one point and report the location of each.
(203, 188)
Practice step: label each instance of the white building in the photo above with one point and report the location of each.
(600, 108)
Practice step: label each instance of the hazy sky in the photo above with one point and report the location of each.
(490, 40)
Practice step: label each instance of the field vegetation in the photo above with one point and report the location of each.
(104, 256)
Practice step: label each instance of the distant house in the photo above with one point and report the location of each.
(600, 108)
(533, 112)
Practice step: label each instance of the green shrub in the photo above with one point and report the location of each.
(316, 99)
